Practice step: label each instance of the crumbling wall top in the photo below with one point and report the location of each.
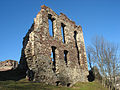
(61, 16)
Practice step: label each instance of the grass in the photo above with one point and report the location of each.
(89, 86)
(24, 85)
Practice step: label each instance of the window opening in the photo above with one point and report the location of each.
(76, 45)
(65, 56)
(50, 22)
(53, 57)
(63, 33)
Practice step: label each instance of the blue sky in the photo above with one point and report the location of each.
(97, 17)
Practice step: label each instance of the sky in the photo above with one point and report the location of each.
(97, 17)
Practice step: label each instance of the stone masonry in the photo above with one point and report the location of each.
(8, 65)
(57, 59)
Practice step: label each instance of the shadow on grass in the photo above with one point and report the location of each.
(14, 75)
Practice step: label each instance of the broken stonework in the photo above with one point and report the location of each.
(58, 59)
(8, 65)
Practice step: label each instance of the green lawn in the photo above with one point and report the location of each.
(23, 85)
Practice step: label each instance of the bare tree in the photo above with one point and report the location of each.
(103, 54)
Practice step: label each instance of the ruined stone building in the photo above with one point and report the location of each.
(56, 57)
(8, 65)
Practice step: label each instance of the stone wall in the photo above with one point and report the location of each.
(8, 65)
(57, 59)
